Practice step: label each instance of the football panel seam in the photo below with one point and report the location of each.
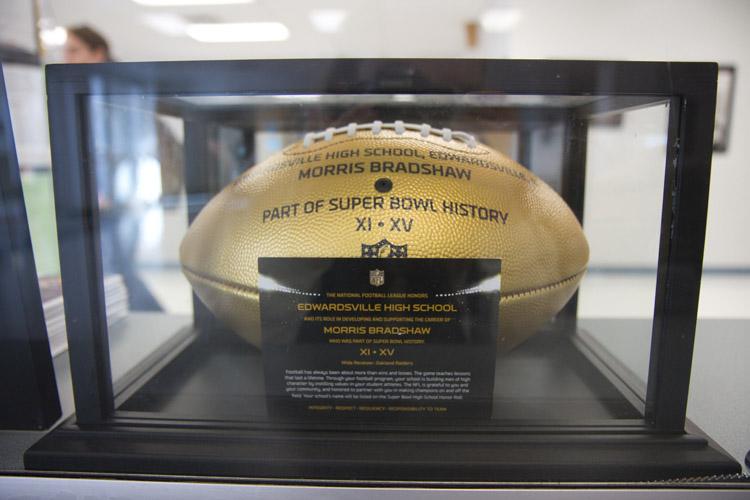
(253, 292)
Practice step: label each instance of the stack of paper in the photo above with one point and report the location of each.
(115, 298)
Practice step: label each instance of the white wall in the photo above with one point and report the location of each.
(670, 30)
(17, 25)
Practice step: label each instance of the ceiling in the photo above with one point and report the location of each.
(386, 28)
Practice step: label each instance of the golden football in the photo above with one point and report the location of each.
(387, 190)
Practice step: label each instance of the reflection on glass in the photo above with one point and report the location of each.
(624, 229)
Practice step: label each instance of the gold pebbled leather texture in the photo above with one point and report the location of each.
(542, 246)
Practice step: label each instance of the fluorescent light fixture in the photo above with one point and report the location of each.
(238, 32)
(499, 20)
(54, 36)
(298, 97)
(404, 98)
(178, 3)
(328, 20)
(167, 24)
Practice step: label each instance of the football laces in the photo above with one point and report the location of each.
(399, 127)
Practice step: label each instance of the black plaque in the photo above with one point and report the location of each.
(379, 337)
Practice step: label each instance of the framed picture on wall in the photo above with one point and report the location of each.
(724, 105)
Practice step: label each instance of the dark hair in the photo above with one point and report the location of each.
(91, 38)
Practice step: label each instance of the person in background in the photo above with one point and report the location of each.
(85, 45)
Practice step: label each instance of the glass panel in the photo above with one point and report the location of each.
(160, 161)
(616, 300)
(137, 155)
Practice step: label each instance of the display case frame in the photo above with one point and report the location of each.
(657, 446)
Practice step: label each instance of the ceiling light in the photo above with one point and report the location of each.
(53, 36)
(178, 3)
(298, 97)
(238, 32)
(404, 98)
(499, 20)
(328, 20)
(168, 24)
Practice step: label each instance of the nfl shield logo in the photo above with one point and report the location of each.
(377, 277)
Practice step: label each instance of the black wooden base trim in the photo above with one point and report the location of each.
(331, 457)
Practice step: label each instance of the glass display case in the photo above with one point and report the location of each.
(27, 377)
(383, 270)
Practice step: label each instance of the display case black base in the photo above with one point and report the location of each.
(334, 457)
(167, 423)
